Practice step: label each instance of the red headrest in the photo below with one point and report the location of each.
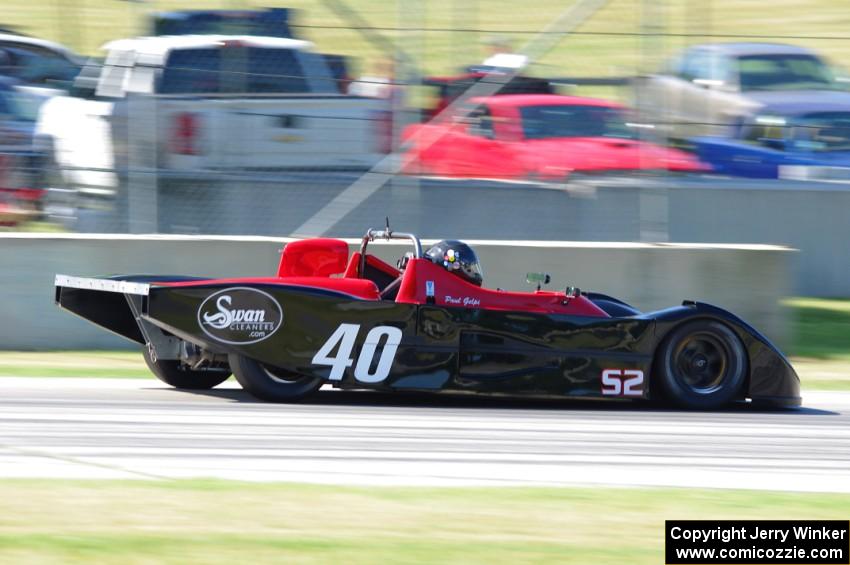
(318, 257)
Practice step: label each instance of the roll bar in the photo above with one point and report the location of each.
(387, 234)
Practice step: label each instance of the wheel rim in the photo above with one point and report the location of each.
(281, 376)
(701, 360)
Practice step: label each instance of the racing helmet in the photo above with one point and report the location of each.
(458, 258)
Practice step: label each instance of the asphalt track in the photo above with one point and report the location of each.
(128, 428)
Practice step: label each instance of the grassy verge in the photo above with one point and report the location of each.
(227, 522)
(604, 47)
(821, 342)
(821, 374)
(821, 328)
(120, 364)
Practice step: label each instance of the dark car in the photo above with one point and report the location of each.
(708, 87)
(426, 324)
(789, 137)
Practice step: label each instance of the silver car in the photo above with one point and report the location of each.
(709, 87)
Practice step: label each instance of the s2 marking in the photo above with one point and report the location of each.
(622, 382)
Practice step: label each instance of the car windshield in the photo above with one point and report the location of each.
(539, 122)
(233, 70)
(37, 65)
(784, 72)
(822, 131)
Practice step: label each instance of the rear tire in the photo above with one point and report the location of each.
(174, 373)
(271, 383)
(701, 365)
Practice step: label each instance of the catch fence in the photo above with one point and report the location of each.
(248, 139)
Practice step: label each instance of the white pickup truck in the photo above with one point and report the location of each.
(194, 106)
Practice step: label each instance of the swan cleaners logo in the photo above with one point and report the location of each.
(240, 315)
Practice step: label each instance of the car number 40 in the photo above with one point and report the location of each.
(343, 340)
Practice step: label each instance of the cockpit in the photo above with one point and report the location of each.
(436, 278)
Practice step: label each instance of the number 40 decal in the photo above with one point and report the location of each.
(344, 337)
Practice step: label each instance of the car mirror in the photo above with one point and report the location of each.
(538, 278)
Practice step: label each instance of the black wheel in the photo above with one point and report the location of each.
(175, 374)
(271, 383)
(701, 365)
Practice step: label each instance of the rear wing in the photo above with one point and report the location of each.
(115, 305)
(105, 285)
(119, 306)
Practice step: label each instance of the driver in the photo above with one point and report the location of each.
(457, 258)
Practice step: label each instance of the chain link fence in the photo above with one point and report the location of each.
(230, 122)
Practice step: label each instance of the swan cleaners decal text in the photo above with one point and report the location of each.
(240, 315)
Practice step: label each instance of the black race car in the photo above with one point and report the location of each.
(426, 325)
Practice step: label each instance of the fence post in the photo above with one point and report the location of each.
(653, 200)
(407, 65)
(142, 178)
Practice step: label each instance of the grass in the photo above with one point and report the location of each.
(121, 364)
(822, 374)
(214, 522)
(604, 46)
(821, 328)
(821, 342)
(37, 226)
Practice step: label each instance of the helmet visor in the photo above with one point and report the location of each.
(472, 271)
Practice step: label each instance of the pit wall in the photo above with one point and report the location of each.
(749, 280)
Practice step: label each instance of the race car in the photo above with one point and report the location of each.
(426, 324)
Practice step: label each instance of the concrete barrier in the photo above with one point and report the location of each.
(747, 279)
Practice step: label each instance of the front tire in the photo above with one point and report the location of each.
(271, 383)
(174, 373)
(701, 365)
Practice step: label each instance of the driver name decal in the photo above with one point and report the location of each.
(240, 315)
(466, 301)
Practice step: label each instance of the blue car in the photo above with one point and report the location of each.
(793, 137)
